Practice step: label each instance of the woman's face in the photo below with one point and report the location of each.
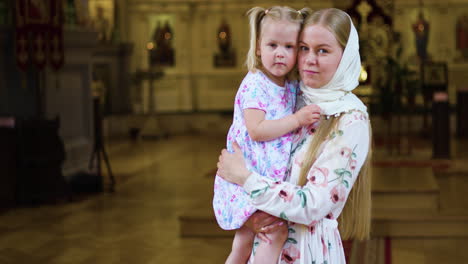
(319, 56)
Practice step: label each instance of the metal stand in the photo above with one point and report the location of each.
(152, 128)
(99, 149)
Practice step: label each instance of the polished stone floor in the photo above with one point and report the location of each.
(158, 180)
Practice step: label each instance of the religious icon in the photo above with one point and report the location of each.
(435, 74)
(82, 14)
(379, 38)
(161, 52)
(101, 24)
(226, 56)
(421, 34)
(462, 35)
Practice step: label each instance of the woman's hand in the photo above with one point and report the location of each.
(231, 166)
(262, 223)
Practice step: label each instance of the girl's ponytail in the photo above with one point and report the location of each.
(255, 15)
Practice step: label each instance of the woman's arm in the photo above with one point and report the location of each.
(329, 181)
(264, 130)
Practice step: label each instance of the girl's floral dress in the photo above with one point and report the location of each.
(313, 209)
(231, 203)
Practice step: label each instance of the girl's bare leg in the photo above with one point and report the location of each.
(269, 253)
(241, 246)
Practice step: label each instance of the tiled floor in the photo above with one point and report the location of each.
(157, 180)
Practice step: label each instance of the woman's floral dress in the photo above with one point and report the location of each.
(230, 201)
(313, 209)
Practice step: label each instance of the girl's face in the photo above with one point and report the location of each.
(319, 56)
(277, 49)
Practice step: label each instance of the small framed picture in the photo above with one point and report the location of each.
(435, 74)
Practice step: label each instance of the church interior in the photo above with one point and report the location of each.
(113, 114)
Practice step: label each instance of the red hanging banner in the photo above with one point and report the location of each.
(56, 50)
(39, 37)
(21, 35)
(38, 21)
(39, 48)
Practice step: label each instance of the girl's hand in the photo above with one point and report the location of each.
(308, 115)
(231, 166)
(270, 229)
(262, 223)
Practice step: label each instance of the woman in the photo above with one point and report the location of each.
(327, 160)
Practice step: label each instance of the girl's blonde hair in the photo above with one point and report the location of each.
(258, 16)
(355, 219)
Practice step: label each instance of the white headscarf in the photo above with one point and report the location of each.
(336, 97)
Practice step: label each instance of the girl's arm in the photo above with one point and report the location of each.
(264, 130)
(329, 180)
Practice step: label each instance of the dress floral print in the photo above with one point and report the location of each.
(312, 210)
(231, 203)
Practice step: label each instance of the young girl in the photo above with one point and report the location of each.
(262, 125)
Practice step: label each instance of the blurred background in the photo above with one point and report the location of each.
(113, 113)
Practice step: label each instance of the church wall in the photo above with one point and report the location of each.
(195, 26)
(68, 96)
(194, 83)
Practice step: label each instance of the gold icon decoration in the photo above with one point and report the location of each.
(226, 55)
(161, 52)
